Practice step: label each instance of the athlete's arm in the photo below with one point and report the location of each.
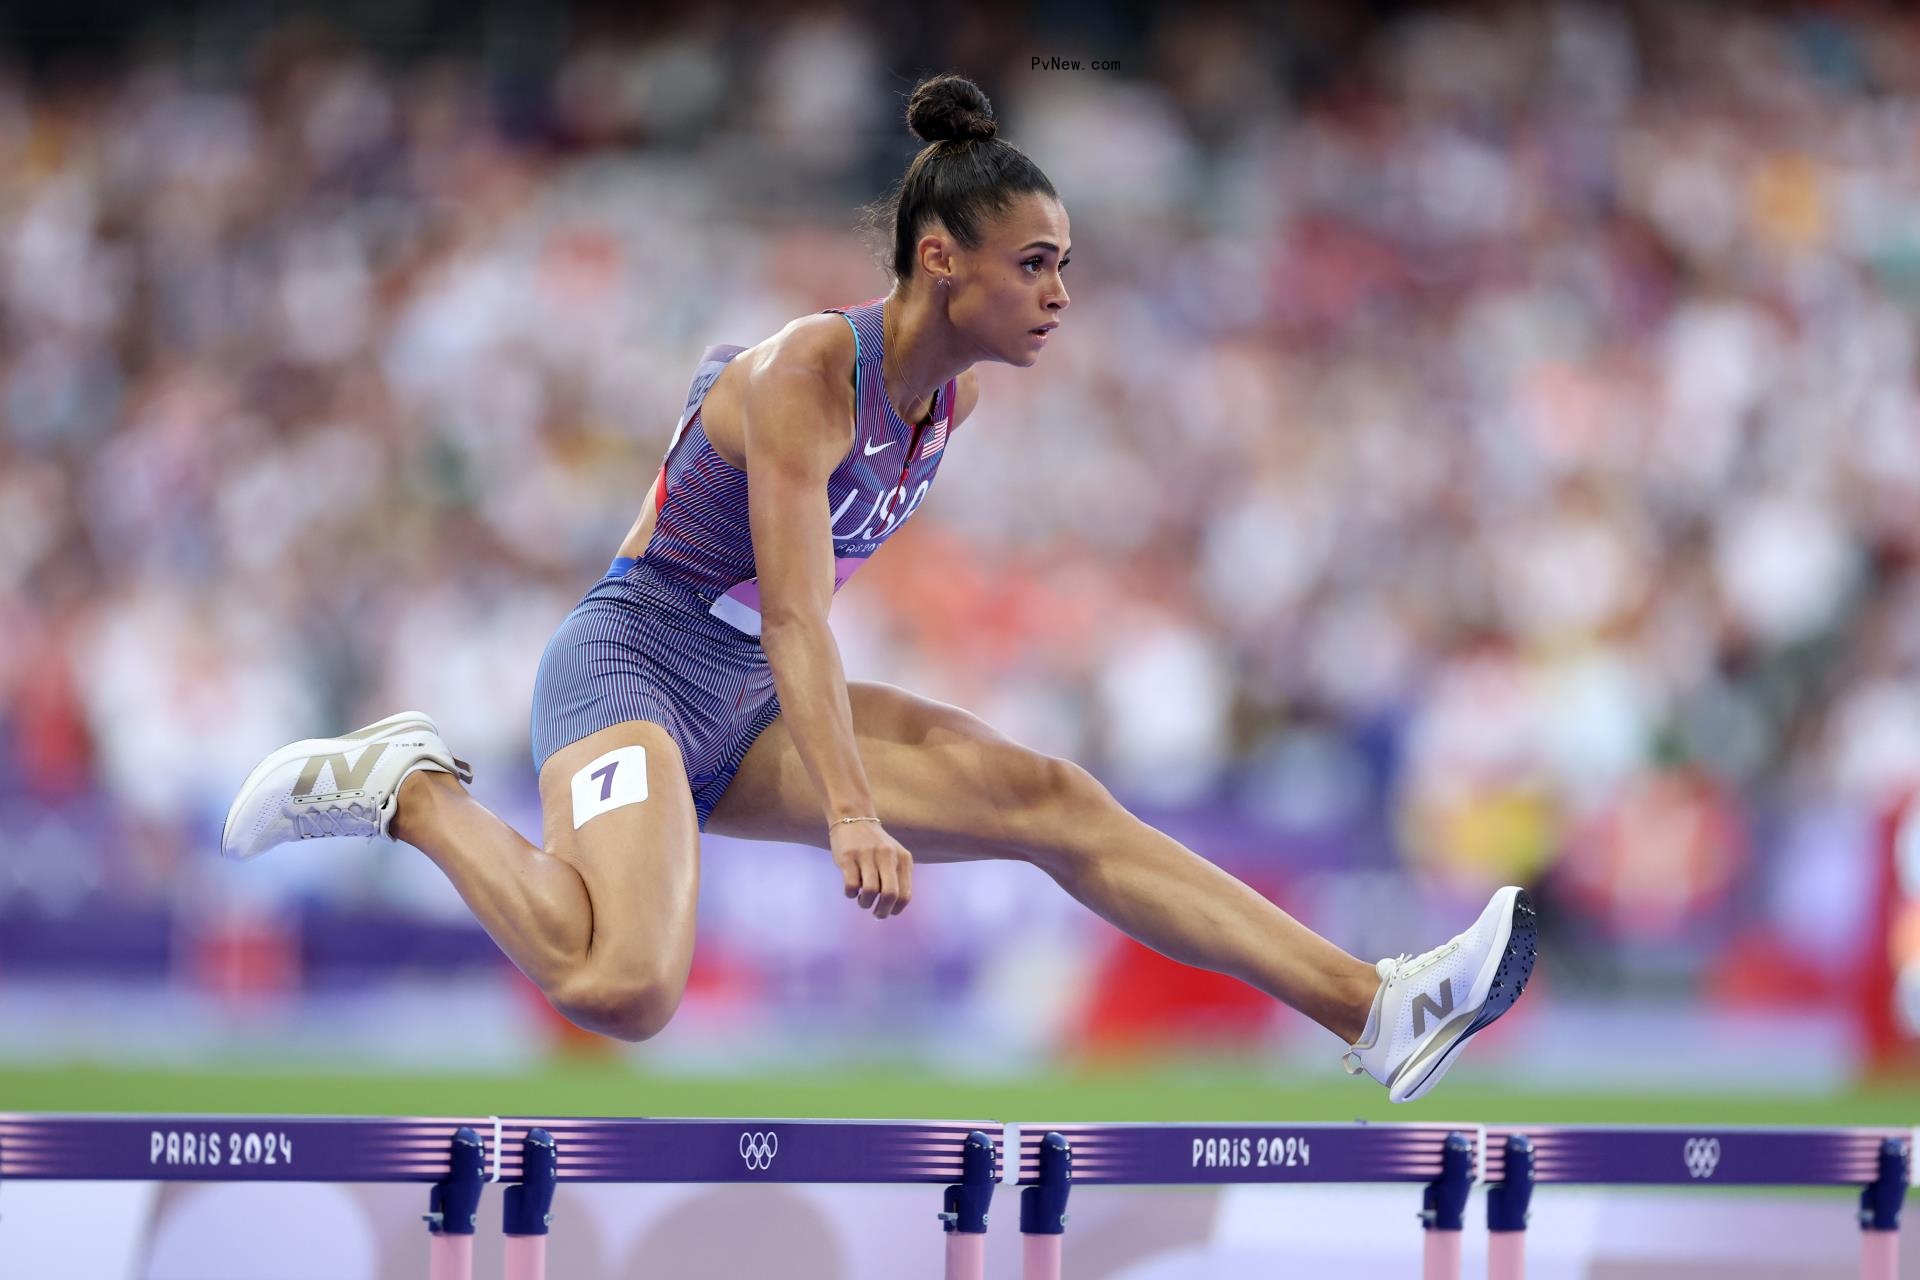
(797, 428)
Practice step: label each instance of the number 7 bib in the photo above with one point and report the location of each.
(616, 778)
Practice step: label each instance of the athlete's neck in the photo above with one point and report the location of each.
(921, 355)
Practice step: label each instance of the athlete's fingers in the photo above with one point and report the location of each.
(906, 882)
(850, 871)
(869, 879)
(889, 884)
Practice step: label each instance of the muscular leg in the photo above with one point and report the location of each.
(602, 918)
(949, 787)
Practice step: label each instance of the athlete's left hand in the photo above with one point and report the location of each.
(877, 868)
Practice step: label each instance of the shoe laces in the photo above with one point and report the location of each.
(1405, 966)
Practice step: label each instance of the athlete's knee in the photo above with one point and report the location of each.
(1052, 800)
(626, 1006)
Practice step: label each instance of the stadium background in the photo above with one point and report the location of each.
(1483, 446)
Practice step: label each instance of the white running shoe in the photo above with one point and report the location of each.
(1428, 1006)
(284, 799)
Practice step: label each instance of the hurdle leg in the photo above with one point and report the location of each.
(1879, 1255)
(450, 1258)
(966, 1255)
(526, 1258)
(1043, 1211)
(964, 1218)
(1443, 1209)
(1880, 1214)
(1507, 1209)
(1440, 1258)
(452, 1207)
(527, 1208)
(1507, 1256)
(1040, 1257)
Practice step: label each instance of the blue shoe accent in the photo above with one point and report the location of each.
(1516, 964)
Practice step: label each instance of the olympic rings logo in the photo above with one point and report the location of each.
(1703, 1156)
(759, 1149)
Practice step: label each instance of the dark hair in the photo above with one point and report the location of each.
(962, 178)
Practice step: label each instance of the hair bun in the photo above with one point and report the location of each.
(950, 109)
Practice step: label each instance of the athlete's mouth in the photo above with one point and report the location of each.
(1044, 329)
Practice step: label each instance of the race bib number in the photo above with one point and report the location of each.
(616, 778)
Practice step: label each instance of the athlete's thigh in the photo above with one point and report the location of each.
(616, 805)
(948, 785)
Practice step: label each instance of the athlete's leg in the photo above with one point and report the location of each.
(601, 918)
(949, 787)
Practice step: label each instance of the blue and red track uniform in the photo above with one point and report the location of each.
(673, 635)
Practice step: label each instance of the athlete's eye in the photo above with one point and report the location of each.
(1035, 263)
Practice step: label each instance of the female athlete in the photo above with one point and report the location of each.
(697, 687)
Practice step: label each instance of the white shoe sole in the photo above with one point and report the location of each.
(310, 746)
(1509, 964)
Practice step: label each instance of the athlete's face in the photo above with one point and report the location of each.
(1010, 286)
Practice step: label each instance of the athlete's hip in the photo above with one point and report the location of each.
(632, 650)
(636, 594)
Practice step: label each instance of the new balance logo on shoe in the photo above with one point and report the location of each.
(1424, 1004)
(345, 778)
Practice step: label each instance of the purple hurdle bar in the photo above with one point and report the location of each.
(1439, 1155)
(1877, 1160)
(1444, 1158)
(458, 1156)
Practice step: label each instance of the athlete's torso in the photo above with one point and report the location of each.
(699, 537)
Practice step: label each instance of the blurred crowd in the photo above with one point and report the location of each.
(1504, 442)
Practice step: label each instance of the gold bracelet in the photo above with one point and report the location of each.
(837, 821)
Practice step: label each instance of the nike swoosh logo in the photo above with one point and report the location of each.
(870, 450)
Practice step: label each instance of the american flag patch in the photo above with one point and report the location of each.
(936, 439)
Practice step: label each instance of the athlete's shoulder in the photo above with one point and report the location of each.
(966, 395)
(798, 396)
(821, 344)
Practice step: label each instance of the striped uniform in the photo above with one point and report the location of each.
(673, 635)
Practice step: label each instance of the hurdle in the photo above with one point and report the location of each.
(459, 1157)
(1053, 1157)
(1449, 1161)
(1878, 1161)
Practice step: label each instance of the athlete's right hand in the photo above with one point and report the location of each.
(878, 869)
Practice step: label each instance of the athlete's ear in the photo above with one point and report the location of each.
(936, 259)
